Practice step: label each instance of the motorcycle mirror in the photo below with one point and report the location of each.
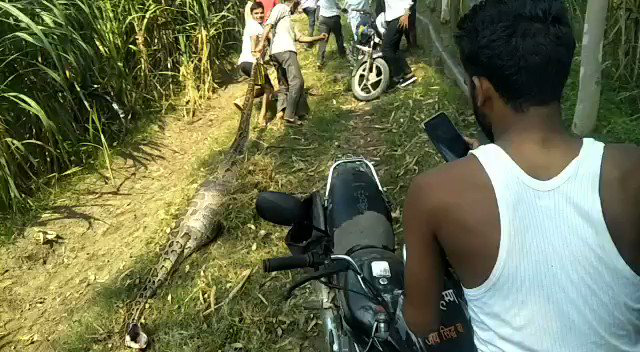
(279, 208)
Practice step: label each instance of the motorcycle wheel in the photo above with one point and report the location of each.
(367, 86)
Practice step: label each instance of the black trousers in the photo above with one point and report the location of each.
(391, 50)
(311, 14)
(411, 34)
(291, 96)
(330, 25)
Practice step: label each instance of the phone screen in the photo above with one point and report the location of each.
(446, 137)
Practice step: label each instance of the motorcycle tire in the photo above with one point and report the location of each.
(367, 86)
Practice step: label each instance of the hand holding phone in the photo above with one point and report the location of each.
(446, 138)
(472, 142)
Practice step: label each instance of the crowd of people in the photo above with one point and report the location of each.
(269, 35)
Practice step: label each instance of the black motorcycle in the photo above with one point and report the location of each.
(346, 242)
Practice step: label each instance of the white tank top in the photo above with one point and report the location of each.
(559, 283)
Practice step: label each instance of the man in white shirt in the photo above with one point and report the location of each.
(329, 23)
(541, 227)
(250, 38)
(292, 102)
(397, 18)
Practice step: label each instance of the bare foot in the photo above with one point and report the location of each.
(293, 121)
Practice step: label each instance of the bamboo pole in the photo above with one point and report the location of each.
(588, 103)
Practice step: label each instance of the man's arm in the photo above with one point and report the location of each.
(423, 271)
(620, 197)
(265, 36)
(307, 39)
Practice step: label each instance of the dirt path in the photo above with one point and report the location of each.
(100, 229)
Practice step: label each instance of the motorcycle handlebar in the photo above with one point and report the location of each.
(292, 262)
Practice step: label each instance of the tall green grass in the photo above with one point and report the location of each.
(76, 74)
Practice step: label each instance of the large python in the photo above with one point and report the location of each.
(200, 225)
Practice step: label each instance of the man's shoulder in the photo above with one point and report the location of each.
(452, 178)
(623, 161)
(627, 151)
(279, 12)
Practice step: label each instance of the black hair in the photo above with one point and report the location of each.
(257, 5)
(523, 47)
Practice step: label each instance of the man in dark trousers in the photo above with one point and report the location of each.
(397, 14)
(329, 23)
(411, 34)
(292, 101)
(310, 7)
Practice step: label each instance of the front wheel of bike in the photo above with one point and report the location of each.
(370, 81)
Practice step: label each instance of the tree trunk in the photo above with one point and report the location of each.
(588, 103)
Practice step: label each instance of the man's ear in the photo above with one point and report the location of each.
(485, 93)
(478, 91)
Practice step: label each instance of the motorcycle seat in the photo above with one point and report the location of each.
(357, 212)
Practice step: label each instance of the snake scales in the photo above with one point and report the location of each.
(199, 227)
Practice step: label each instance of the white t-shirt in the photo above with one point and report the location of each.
(381, 24)
(252, 29)
(396, 8)
(329, 8)
(284, 37)
(311, 4)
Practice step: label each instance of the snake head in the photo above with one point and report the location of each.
(135, 338)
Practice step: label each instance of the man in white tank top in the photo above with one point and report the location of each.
(541, 227)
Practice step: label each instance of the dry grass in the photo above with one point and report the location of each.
(248, 310)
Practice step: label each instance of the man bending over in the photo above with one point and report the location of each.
(292, 101)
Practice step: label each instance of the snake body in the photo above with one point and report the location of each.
(199, 226)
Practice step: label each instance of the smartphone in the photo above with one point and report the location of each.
(444, 135)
